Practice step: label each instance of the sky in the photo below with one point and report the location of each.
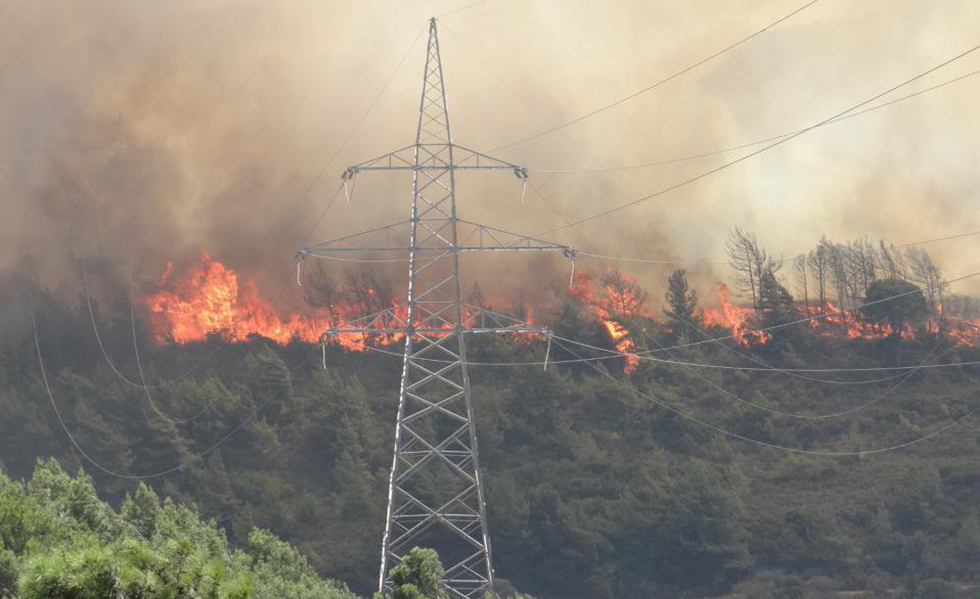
(133, 133)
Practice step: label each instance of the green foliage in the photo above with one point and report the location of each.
(417, 576)
(8, 573)
(681, 311)
(594, 491)
(68, 543)
(907, 310)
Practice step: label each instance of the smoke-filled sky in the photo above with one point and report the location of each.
(145, 131)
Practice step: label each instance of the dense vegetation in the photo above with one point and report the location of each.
(58, 540)
(595, 490)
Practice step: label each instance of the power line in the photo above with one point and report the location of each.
(581, 252)
(763, 363)
(767, 444)
(461, 9)
(612, 354)
(815, 317)
(661, 81)
(139, 366)
(112, 365)
(904, 377)
(819, 316)
(716, 262)
(645, 355)
(761, 150)
(708, 154)
(122, 475)
(350, 134)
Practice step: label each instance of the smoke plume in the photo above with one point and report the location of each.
(136, 133)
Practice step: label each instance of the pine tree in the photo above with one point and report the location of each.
(683, 315)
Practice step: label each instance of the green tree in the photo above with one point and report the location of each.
(418, 576)
(8, 573)
(895, 303)
(66, 543)
(681, 310)
(142, 509)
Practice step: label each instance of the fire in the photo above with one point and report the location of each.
(832, 320)
(211, 299)
(621, 297)
(963, 330)
(736, 318)
(833, 317)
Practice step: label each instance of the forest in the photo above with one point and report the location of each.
(610, 475)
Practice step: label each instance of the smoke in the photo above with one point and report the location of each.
(135, 133)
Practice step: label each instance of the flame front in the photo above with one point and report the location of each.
(210, 299)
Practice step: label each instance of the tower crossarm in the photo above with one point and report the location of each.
(435, 157)
(471, 237)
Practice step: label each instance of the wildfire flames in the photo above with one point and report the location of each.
(621, 299)
(208, 298)
(831, 320)
(736, 318)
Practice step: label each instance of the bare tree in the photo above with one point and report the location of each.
(927, 273)
(750, 262)
(741, 248)
(817, 263)
(799, 273)
(889, 261)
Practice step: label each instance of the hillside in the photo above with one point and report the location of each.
(595, 490)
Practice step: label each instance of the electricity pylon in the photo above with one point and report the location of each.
(435, 491)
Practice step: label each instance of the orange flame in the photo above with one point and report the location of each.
(736, 318)
(210, 299)
(617, 299)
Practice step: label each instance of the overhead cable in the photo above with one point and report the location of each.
(760, 442)
(745, 157)
(657, 84)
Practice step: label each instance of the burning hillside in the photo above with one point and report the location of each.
(209, 298)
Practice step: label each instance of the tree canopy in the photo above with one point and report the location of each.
(908, 307)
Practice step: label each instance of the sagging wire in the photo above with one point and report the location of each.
(632, 389)
(905, 376)
(122, 475)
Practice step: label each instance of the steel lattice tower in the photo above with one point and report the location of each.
(435, 491)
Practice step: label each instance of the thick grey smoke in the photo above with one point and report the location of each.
(146, 132)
